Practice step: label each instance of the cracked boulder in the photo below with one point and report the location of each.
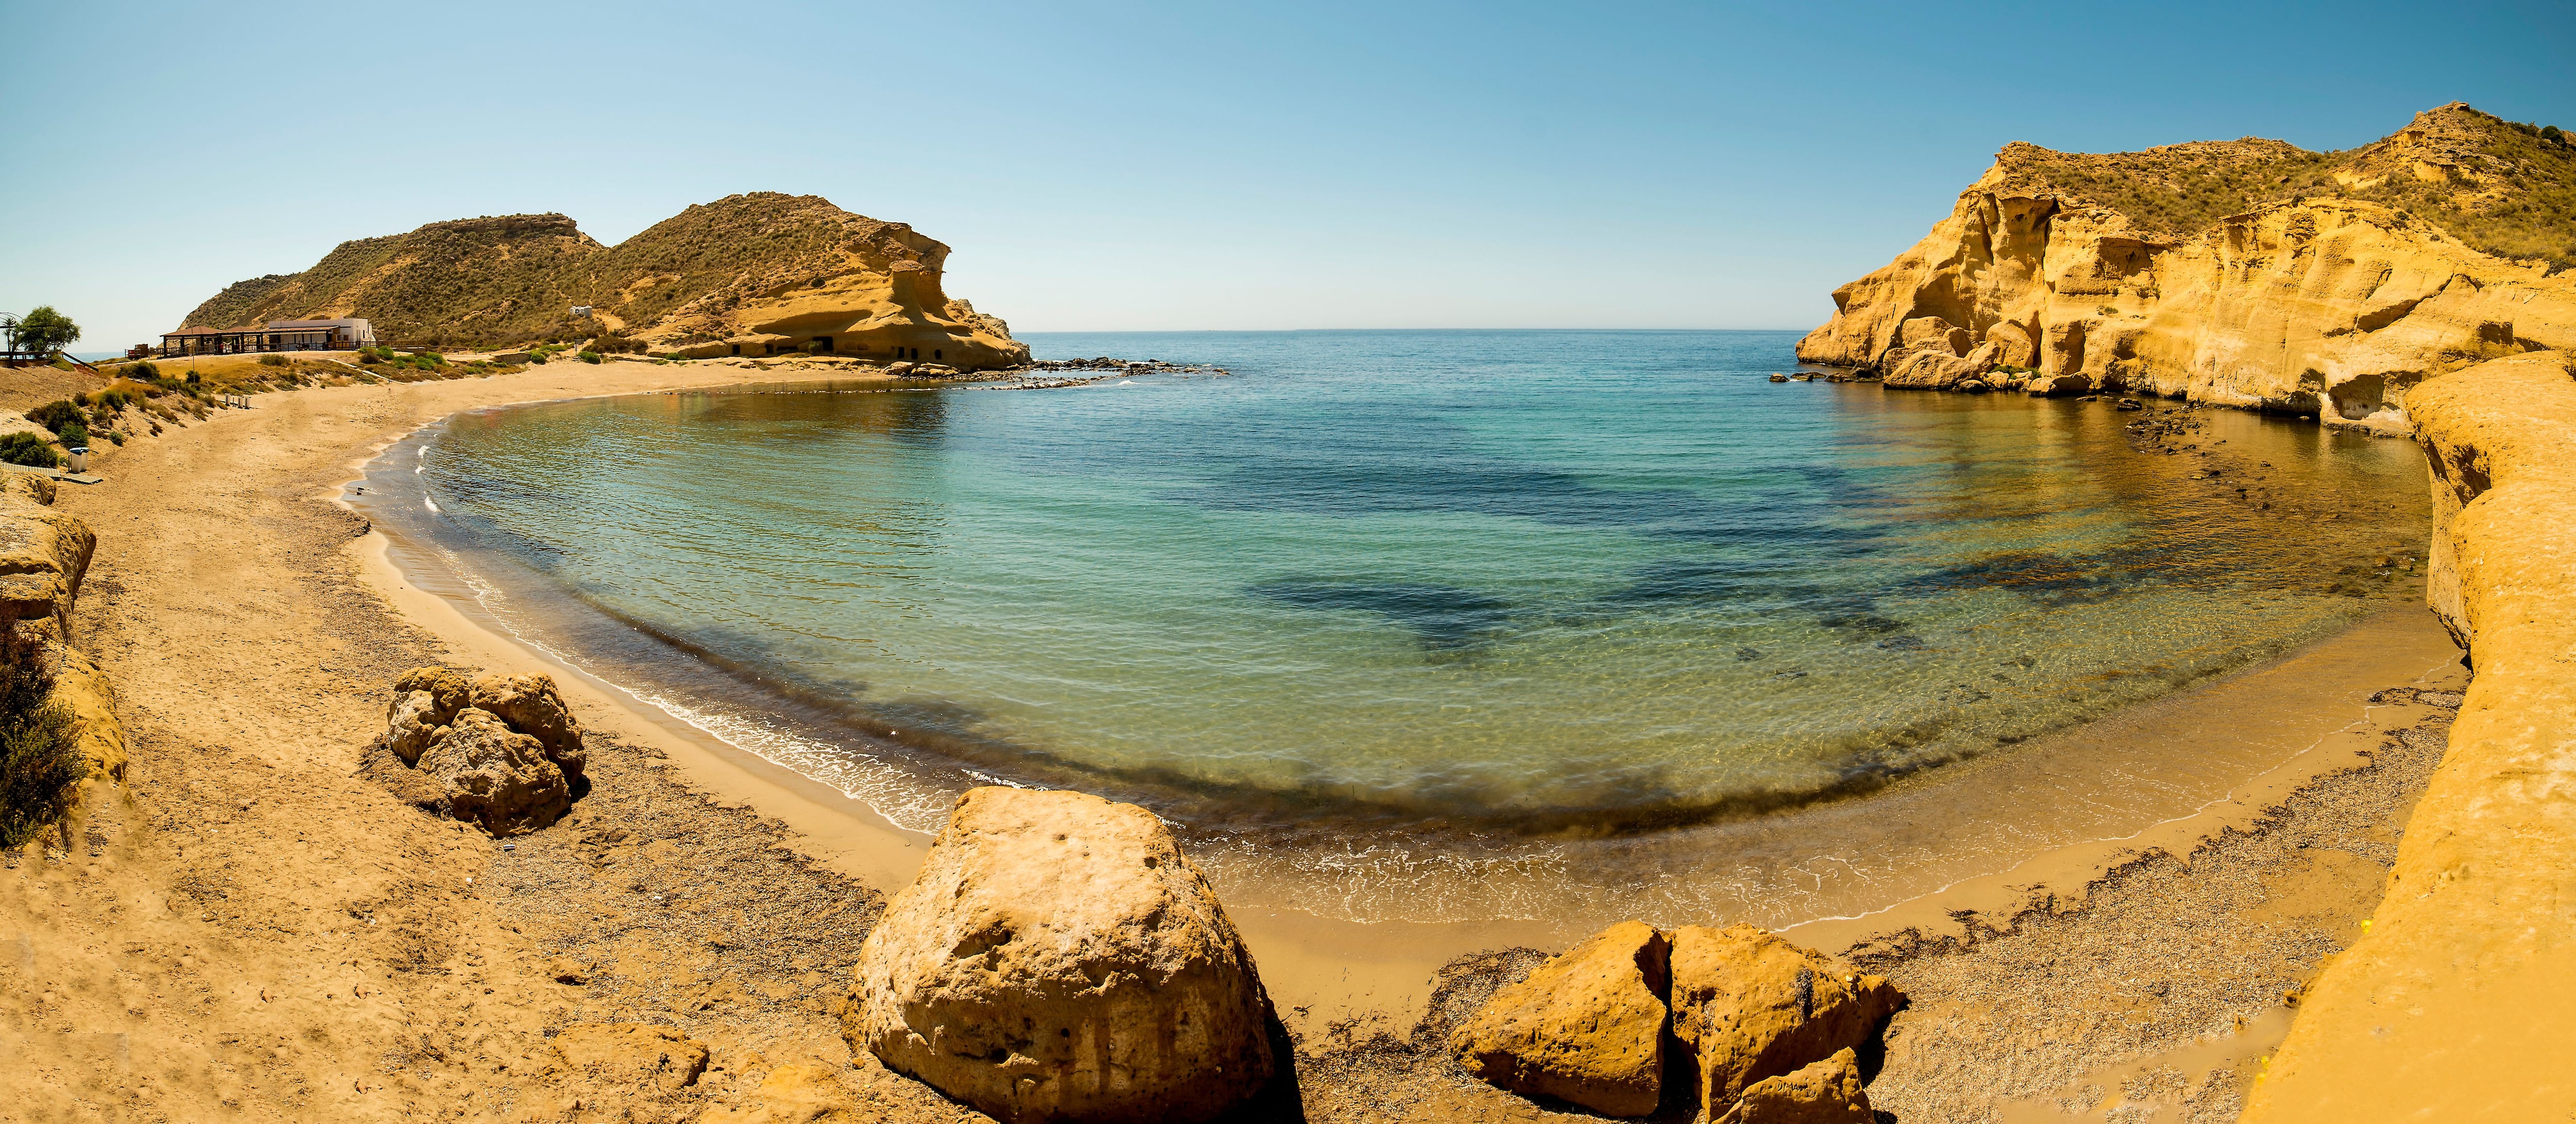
(1750, 1006)
(1586, 1027)
(1828, 1092)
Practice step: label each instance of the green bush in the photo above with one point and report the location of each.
(40, 761)
(74, 435)
(588, 357)
(144, 371)
(23, 447)
(57, 414)
(272, 359)
(194, 378)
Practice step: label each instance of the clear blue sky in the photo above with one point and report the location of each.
(1175, 166)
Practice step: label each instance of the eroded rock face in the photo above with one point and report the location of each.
(494, 776)
(412, 722)
(2331, 307)
(1827, 1092)
(43, 555)
(451, 690)
(1751, 1005)
(530, 704)
(1059, 959)
(1587, 1026)
(630, 1055)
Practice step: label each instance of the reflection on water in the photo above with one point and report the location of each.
(1429, 582)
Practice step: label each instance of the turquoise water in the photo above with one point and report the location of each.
(1507, 583)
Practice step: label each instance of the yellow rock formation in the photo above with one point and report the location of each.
(2459, 1001)
(2333, 307)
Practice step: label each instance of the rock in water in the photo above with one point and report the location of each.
(1586, 1027)
(1827, 1092)
(495, 777)
(1058, 959)
(1752, 1006)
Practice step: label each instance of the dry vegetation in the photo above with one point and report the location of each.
(2500, 187)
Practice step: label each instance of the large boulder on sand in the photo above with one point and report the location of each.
(426, 698)
(1828, 1092)
(494, 776)
(1587, 1026)
(1058, 959)
(531, 706)
(1751, 1006)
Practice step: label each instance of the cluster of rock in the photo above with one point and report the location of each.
(1141, 366)
(1768, 1029)
(1059, 959)
(504, 751)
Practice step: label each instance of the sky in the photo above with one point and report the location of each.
(1181, 166)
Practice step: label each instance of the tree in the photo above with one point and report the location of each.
(46, 331)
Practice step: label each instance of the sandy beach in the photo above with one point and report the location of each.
(262, 926)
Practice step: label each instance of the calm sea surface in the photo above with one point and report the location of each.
(1391, 585)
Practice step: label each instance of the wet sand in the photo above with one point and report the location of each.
(223, 547)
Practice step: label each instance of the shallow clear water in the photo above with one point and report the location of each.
(1513, 582)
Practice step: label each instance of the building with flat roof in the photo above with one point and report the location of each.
(346, 334)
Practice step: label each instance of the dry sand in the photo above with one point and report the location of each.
(263, 927)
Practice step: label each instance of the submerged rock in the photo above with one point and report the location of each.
(1751, 1006)
(1059, 959)
(1587, 1026)
(1827, 1092)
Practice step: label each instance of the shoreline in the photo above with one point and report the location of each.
(1325, 971)
(224, 545)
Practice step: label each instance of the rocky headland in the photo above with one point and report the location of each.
(2421, 286)
(2246, 273)
(761, 273)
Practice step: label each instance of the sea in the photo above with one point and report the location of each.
(1408, 625)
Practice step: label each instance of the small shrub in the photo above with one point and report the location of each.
(115, 438)
(272, 359)
(194, 378)
(74, 435)
(26, 448)
(145, 371)
(2108, 310)
(588, 356)
(368, 358)
(59, 413)
(40, 761)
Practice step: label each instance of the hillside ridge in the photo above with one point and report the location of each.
(755, 273)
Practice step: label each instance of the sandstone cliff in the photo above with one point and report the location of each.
(752, 274)
(2458, 1002)
(2245, 273)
